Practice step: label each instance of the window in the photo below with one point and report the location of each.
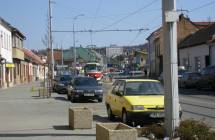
(144, 88)
(116, 87)
(197, 64)
(85, 82)
(121, 86)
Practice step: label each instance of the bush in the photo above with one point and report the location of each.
(211, 136)
(157, 130)
(193, 130)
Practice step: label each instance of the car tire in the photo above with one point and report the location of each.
(100, 100)
(185, 85)
(74, 100)
(198, 86)
(68, 97)
(110, 114)
(125, 118)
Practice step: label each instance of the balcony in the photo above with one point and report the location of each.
(17, 53)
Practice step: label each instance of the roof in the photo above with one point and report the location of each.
(16, 31)
(5, 23)
(203, 24)
(81, 54)
(198, 38)
(11, 28)
(154, 33)
(57, 55)
(32, 56)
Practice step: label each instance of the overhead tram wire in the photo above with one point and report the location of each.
(96, 31)
(96, 14)
(131, 14)
(134, 39)
(202, 6)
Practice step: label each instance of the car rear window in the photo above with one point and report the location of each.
(86, 82)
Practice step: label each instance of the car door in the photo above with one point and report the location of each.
(119, 100)
(112, 97)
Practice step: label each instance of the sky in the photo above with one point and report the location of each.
(30, 17)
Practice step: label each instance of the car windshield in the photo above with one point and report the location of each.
(66, 78)
(85, 82)
(194, 75)
(144, 88)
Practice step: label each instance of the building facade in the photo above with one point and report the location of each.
(113, 50)
(6, 65)
(185, 27)
(18, 55)
(197, 51)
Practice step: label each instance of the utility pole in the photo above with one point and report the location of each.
(51, 65)
(74, 48)
(62, 55)
(170, 18)
(73, 30)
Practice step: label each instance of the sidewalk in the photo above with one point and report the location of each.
(24, 116)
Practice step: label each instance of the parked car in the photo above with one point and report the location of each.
(61, 82)
(133, 99)
(207, 79)
(136, 74)
(84, 88)
(189, 79)
(180, 73)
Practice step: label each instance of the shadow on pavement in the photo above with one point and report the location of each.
(103, 119)
(44, 134)
(60, 98)
(86, 101)
(61, 127)
(193, 91)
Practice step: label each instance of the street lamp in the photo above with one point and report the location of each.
(74, 19)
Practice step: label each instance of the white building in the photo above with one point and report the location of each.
(113, 50)
(198, 50)
(6, 64)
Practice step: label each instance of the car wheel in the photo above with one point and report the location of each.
(74, 100)
(100, 100)
(125, 118)
(211, 87)
(198, 86)
(68, 97)
(185, 85)
(110, 114)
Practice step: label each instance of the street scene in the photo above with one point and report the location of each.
(96, 70)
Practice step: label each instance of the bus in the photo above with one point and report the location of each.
(93, 70)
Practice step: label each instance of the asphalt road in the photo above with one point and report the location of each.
(25, 116)
(198, 105)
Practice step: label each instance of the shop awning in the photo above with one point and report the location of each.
(10, 65)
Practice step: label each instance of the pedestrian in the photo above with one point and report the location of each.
(145, 72)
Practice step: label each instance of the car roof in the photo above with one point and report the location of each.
(139, 80)
(84, 77)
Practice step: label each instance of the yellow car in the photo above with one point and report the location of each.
(135, 99)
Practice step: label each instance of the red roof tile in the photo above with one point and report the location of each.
(32, 55)
(203, 24)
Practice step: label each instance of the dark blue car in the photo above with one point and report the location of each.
(61, 83)
(85, 88)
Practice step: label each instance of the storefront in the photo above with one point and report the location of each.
(9, 74)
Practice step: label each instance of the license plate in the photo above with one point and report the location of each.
(89, 94)
(157, 115)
